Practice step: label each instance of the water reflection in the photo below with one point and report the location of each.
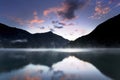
(70, 68)
(106, 60)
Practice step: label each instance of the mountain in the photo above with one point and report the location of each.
(17, 38)
(106, 34)
(47, 40)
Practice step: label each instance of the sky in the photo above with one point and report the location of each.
(68, 18)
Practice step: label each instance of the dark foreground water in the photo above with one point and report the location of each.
(60, 64)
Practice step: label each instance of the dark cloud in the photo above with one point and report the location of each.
(61, 24)
(52, 30)
(58, 27)
(42, 27)
(58, 24)
(69, 8)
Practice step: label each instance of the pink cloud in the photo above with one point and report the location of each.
(39, 21)
(27, 77)
(50, 10)
(67, 9)
(100, 10)
(36, 19)
(55, 10)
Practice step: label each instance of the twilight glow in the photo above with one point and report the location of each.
(67, 18)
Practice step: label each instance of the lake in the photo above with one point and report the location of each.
(60, 64)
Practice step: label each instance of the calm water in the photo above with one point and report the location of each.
(60, 64)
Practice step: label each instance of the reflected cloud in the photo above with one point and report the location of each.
(70, 68)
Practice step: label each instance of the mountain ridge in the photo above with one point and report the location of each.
(11, 37)
(104, 35)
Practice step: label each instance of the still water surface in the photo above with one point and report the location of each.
(60, 64)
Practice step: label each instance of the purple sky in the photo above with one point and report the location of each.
(68, 18)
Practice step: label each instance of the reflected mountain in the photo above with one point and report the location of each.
(106, 60)
(70, 68)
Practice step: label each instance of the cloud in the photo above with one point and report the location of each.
(61, 24)
(35, 22)
(118, 5)
(17, 20)
(103, 8)
(36, 19)
(100, 10)
(110, 1)
(58, 24)
(31, 22)
(58, 27)
(50, 10)
(67, 9)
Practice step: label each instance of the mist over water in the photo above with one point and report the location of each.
(43, 64)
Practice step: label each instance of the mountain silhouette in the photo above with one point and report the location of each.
(17, 38)
(106, 34)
